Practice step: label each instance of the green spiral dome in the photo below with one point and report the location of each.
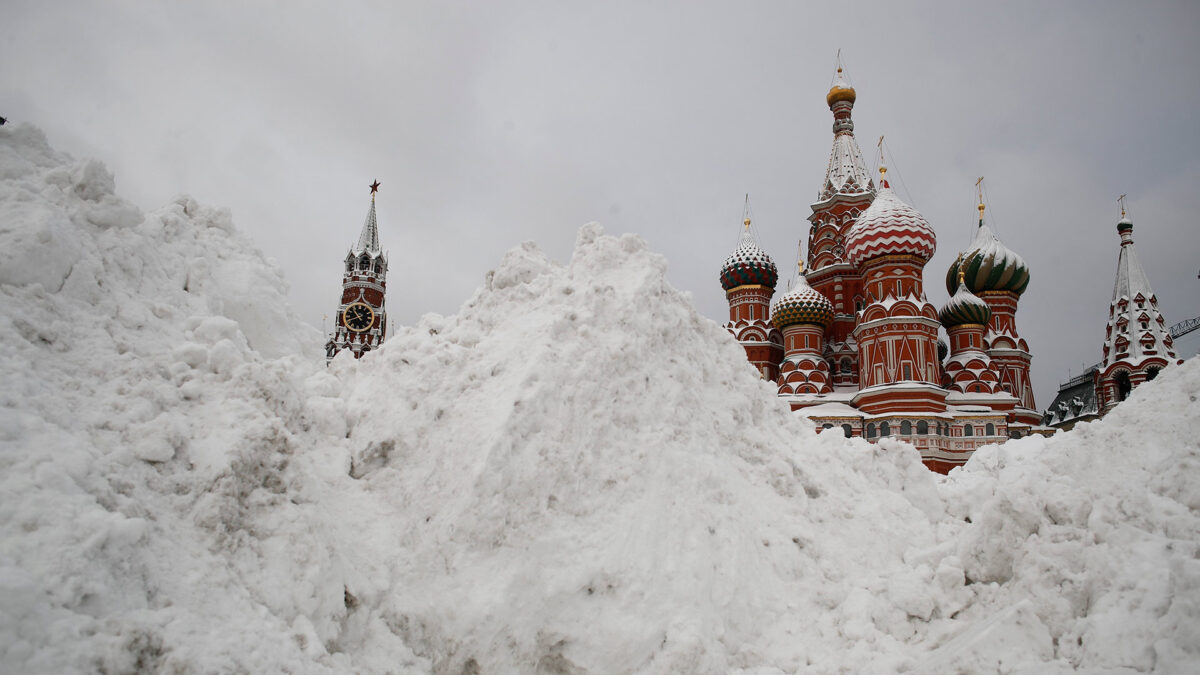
(989, 265)
(964, 307)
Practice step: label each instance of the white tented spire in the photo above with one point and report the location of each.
(847, 172)
(1136, 330)
(368, 241)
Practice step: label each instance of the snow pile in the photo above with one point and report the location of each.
(1090, 541)
(575, 474)
(583, 473)
(142, 436)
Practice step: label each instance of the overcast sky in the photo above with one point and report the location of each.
(493, 123)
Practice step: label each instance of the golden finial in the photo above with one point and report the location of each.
(979, 194)
(746, 212)
(841, 89)
(1121, 201)
(962, 277)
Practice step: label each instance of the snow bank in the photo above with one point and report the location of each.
(574, 474)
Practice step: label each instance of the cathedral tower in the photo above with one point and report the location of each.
(897, 331)
(361, 321)
(1137, 343)
(969, 370)
(846, 193)
(999, 276)
(749, 277)
(803, 315)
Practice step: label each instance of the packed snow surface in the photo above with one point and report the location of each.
(575, 474)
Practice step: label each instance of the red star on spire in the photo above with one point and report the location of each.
(374, 188)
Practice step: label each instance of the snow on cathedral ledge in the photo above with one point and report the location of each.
(575, 473)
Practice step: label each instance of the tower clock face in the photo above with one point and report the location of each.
(358, 317)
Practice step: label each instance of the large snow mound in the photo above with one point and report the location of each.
(575, 474)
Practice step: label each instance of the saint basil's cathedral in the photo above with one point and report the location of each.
(854, 343)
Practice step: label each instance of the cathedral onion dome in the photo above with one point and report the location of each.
(989, 265)
(1125, 225)
(802, 304)
(964, 307)
(840, 91)
(748, 264)
(889, 227)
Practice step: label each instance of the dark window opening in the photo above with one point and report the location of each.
(1123, 386)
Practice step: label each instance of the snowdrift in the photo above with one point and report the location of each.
(574, 474)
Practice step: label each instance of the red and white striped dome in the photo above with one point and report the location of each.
(889, 227)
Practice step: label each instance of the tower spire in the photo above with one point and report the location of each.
(368, 240)
(979, 194)
(847, 173)
(361, 320)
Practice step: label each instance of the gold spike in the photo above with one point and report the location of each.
(979, 194)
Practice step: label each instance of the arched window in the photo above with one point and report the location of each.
(848, 430)
(871, 430)
(1014, 434)
(1123, 386)
(923, 427)
(885, 429)
(906, 428)
(968, 430)
(990, 429)
(825, 426)
(846, 368)
(1151, 374)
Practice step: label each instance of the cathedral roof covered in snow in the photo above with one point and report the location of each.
(964, 307)
(847, 172)
(1136, 330)
(748, 264)
(802, 304)
(989, 265)
(889, 226)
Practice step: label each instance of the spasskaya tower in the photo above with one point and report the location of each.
(361, 321)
